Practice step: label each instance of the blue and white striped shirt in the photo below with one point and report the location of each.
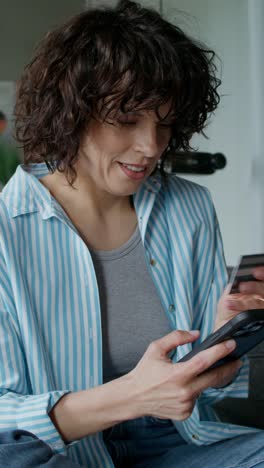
(50, 323)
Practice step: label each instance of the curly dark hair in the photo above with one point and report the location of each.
(105, 60)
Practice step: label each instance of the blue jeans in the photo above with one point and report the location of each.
(21, 449)
(140, 443)
(153, 443)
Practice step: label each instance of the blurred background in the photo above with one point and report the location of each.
(235, 30)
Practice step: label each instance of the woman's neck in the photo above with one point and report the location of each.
(85, 196)
(104, 223)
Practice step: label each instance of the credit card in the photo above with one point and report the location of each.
(243, 271)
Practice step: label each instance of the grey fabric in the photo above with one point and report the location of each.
(126, 290)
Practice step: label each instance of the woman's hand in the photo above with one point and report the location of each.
(166, 390)
(250, 296)
(155, 387)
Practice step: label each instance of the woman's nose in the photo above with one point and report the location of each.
(147, 142)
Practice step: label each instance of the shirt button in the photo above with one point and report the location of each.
(195, 436)
(172, 308)
(153, 262)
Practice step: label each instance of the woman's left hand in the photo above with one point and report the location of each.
(250, 296)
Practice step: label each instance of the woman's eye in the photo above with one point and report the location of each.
(166, 126)
(126, 122)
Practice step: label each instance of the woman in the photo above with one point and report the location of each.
(105, 260)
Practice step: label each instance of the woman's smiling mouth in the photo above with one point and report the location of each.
(133, 171)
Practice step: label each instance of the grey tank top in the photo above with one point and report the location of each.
(131, 311)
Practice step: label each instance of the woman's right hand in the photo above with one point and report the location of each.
(155, 387)
(166, 390)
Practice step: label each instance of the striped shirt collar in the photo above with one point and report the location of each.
(24, 194)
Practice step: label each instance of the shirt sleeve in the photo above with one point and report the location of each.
(19, 409)
(238, 388)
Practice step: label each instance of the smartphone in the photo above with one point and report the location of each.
(246, 328)
(243, 271)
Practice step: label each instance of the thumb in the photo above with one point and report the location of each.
(167, 343)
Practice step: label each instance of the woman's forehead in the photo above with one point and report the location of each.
(161, 110)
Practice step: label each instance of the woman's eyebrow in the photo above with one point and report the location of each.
(132, 112)
(141, 114)
(167, 119)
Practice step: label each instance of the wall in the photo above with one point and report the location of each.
(22, 25)
(256, 23)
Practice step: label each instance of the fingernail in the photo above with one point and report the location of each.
(230, 344)
(194, 332)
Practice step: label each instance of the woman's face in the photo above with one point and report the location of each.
(117, 156)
